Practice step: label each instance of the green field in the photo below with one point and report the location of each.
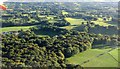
(64, 12)
(7, 29)
(103, 61)
(74, 21)
(94, 58)
(50, 17)
(68, 27)
(52, 21)
(77, 22)
(101, 22)
(115, 54)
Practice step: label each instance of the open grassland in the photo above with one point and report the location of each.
(52, 21)
(81, 57)
(64, 12)
(94, 58)
(77, 22)
(77, 4)
(115, 54)
(39, 33)
(74, 21)
(50, 17)
(7, 29)
(68, 27)
(103, 61)
(101, 22)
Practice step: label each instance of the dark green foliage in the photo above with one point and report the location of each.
(96, 29)
(26, 49)
(49, 30)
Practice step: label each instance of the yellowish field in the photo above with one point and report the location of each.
(64, 12)
(68, 27)
(95, 58)
(101, 22)
(50, 17)
(6, 29)
(77, 4)
(74, 21)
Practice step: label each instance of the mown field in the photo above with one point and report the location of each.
(7, 29)
(74, 21)
(101, 22)
(68, 27)
(115, 54)
(96, 58)
(64, 12)
(77, 22)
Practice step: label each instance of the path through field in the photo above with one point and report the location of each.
(96, 58)
(91, 59)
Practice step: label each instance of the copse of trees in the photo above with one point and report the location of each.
(90, 27)
(77, 15)
(61, 23)
(102, 41)
(27, 49)
(50, 30)
(32, 19)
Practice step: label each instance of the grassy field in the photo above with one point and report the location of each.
(115, 54)
(77, 4)
(39, 33)
(94, 58)
(103, 61)
(68, 27)
(74, 21)
(77, 22)
(7, 29)
(101, 22)
(64, 12)
(50, 17)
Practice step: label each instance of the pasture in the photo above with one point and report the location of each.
(101, 22)
(16, 28)
(68, 27)
(64, 12)
(115, 54)
(95, 58)
(74, 21)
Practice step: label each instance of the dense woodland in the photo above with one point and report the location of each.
(27, 49)
(49, 43)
